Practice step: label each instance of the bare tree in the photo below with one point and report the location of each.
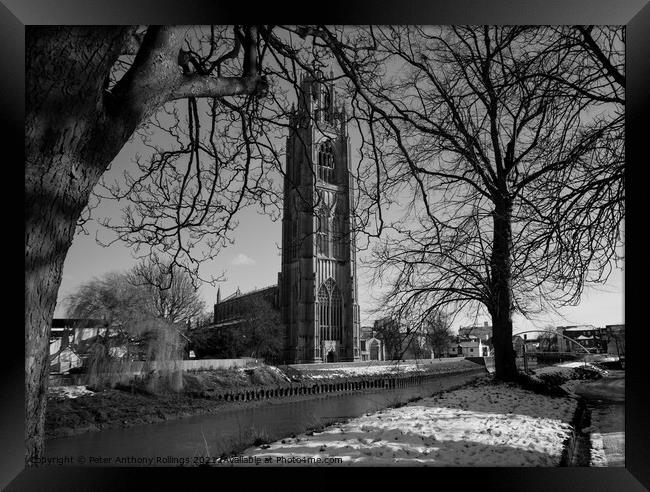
(112, 298)
(139, 302)
(135, 320)
(491, 147)
(168, 290)
(438, 333)
(548, 339)
(78, 117)
(388, 331)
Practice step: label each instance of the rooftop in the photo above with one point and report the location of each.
(239, 293)
(579, 328)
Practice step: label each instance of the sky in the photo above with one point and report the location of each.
(253, 261)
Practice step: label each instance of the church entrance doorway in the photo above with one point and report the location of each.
(331, 356)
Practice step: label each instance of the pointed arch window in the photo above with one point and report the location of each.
(338, 237)
(326, 162)
(326, 106)
(330, 308)
(323, 232)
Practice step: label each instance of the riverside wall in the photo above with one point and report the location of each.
(348, 384)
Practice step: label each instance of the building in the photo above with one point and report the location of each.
(472, 341)
(483, 332)
(588, 336)
(317, 286)
(471, 346)
(229, 311)
(70, 339)
(371, 347)
(318, 282)
(392, 334)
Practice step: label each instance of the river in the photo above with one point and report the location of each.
(605, 399)
(183, 441)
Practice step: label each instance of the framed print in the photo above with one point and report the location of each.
(394, 239)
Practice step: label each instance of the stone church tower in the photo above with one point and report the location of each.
(318, 282)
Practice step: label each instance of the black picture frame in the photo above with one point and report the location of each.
(635, 14)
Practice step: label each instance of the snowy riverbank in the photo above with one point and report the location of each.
(485, 424)
(78, 409)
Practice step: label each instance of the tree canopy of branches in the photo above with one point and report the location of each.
(388, 331)
(262, 330)
(111, 298)
(548, 339)
(169, 290)
(498, 142)
(145, 311)
(131, 298)
(438, 333)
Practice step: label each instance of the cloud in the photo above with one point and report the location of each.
(241, 260)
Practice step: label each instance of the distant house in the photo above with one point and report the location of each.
(71, 340)
(62, 361)
(470, 346)
(68, 338)
(371, 347)
(482, 332)
(593, 339)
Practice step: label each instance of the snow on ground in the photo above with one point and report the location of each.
(566, 366)
(272, 369)
(598, 457)
(607, 358)
(364, 371)
(482, 425)
(62, 392)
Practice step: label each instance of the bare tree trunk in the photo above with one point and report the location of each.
(66, 152)
(501, 309)
(74, 128)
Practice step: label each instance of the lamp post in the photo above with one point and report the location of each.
(523, 350)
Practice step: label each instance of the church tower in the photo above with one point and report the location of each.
(318, 282)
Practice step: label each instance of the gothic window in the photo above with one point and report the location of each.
(326, 106)
(323, 232)
(330, 308)
(323, 102)
(326, 162)
(338, 237)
